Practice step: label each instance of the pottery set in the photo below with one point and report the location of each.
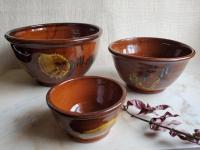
(87, 107)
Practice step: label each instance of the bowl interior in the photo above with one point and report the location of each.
(85, 95)
(55, 31)
(151, 47)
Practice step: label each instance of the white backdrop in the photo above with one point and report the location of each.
(174, 19)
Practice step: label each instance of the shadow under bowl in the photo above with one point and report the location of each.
(148, 64)
(54, 52)
(86, 107)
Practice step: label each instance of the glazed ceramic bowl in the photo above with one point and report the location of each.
(149, 65)
(52, 53)
(86, 107)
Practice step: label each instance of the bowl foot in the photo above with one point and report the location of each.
(46, 84)
(144, 91)
(89, 140)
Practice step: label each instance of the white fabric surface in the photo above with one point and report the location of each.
(174, 19)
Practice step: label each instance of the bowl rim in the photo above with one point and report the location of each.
(114, 52)
(88, 115)
(8, 35)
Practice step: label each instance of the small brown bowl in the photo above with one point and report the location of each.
(86, 107)
(55, 52)
(148, 64)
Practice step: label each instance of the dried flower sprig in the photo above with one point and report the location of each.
(159, 123)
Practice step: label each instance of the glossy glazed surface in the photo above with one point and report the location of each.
(56, 32)
(55, 52)
(149, 65)
(86, 107)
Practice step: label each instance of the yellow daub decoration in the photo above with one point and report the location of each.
(54, 65)
(102, 127)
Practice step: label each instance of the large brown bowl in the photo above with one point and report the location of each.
(55, 52)
(86, 107)
(148, 64)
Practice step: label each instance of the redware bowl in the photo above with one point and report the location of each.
(149, 65)
(86, 107)
(54, 52)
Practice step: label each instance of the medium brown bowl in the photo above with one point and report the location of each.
(148, 64)
(55, 52)
(86, 107)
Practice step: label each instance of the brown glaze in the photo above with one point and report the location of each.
(148, 64)
(86, 107)
(55, 52)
